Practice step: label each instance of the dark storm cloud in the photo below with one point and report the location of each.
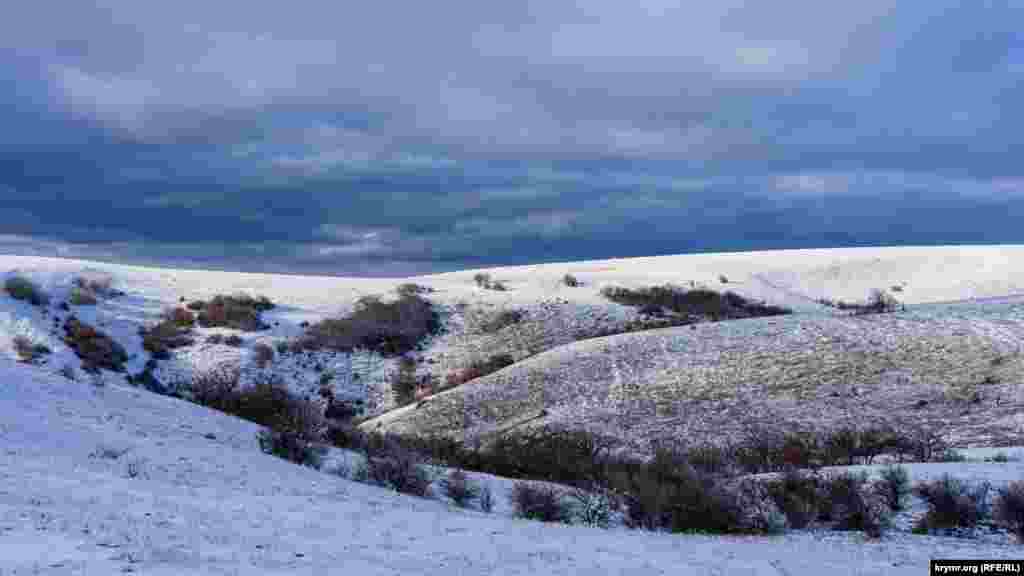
(390, 137)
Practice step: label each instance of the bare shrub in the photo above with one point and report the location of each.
(1009, 508)
(798, 495)
(952, 503)
(460, 488)
(539, 502)
(894, 486)
(570, 281)
(482, 279)
(165, 336)
(412, 289)
(478, 369)
(27, 350)
(263, 354)
(403, 382)
(498, 286)
(21, 288)
(592, 508)
(400, 469)
(502, 319)
(291, 446)
(180, 316)
(486, 498)
(96, 349)
(240, 312)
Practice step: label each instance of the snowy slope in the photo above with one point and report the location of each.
(205, 501)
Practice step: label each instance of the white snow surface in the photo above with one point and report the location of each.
(98, 480)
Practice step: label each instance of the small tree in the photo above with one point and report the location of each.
(570, 281)
(483, 280)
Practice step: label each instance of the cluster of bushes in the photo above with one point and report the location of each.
(483, 280)
(173, 331)
(94, 348)
(681, 490)
(878, 302)
(389, 328)
(687, 488)
(27, 350)
(21, 288)
(294, 426)
(502, 319)
(239, 311)
(412, 289)
(478, 369)
(697, 303)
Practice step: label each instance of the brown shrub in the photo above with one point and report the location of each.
(163, 337)
(389, 328)
(96, 350)
(180, 316)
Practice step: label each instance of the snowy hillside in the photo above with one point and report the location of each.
(98, 476)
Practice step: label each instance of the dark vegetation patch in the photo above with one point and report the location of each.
(571, 281)
(263, 354)
(878, 302)
(539, 502)
(21, 288)
(1009, 508)
(478, 369)
(953, 503)
(94, 348)
(502, 319)
(412, 289)
(170, 333)
(294, 425)
(690, 305)
(239, 312)
(27, 350)
(388, 328)
(460, 488)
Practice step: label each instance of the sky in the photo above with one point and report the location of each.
(397, 138)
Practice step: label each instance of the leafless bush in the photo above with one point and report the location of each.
(486, 498)
(180, 316)
(399, 469)
(697, 302)
(482, 279)
(478, 369)
(460, 488)
(1009, 508)
(240, 312)
(263, 354)
(27, 350)
(952, 503)
(168, 334)
(539, 502)
(502, 319)
(894, 486)
(570, 281)
(96, 349)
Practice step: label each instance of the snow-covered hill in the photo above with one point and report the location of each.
(103, 479)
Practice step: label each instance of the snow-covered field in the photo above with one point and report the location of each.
(189, 492)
